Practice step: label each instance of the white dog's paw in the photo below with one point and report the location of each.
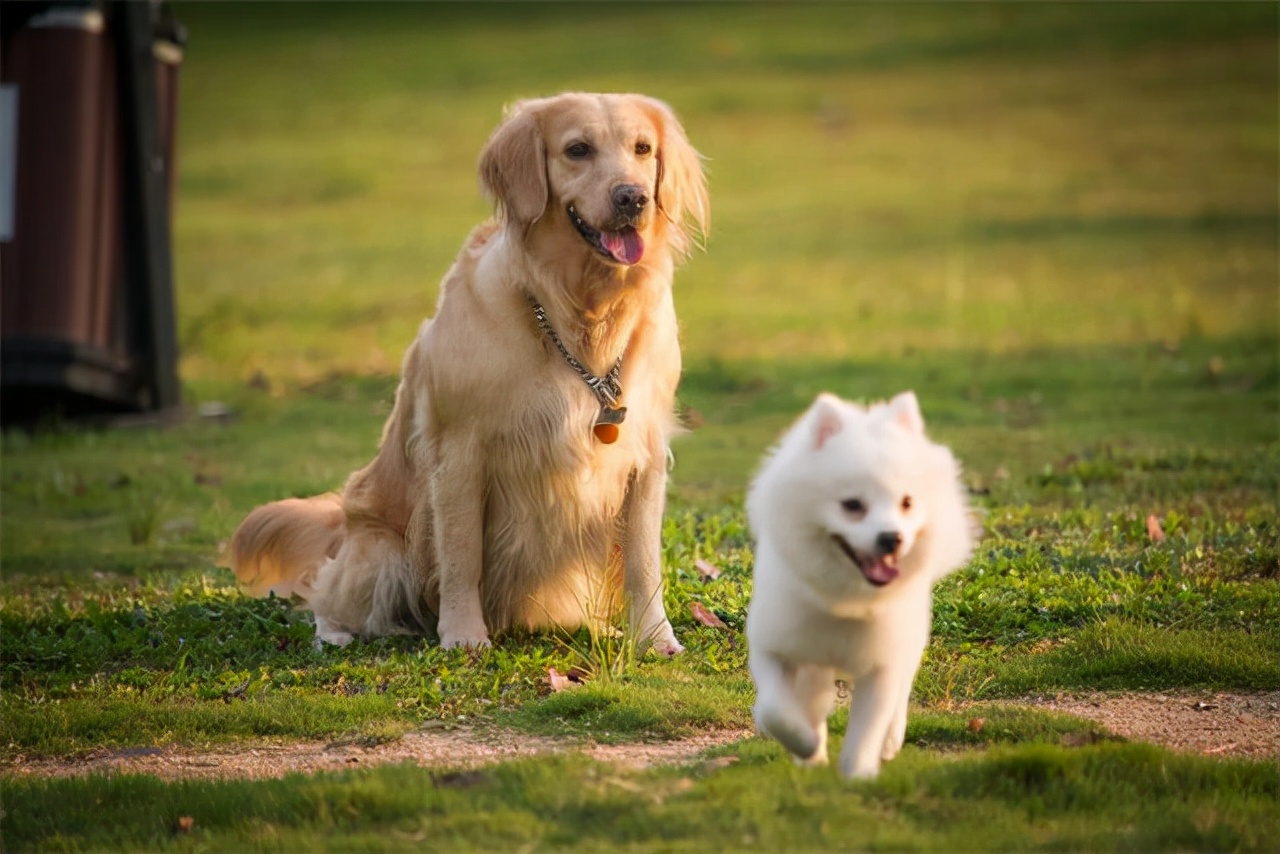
(819, 759)
(662, 640)
(891, 748)
(859, 767)
(792, 731)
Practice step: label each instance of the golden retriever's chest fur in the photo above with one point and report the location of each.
(552, 507)
(553, 494)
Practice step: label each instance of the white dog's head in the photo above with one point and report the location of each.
(862, 498)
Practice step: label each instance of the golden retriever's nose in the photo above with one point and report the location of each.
(629, 199)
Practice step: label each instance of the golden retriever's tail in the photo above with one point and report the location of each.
(280, 546)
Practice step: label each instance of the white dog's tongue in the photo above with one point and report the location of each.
(626, 246)
(880, 572)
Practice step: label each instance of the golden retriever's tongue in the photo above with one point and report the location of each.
(626, 246)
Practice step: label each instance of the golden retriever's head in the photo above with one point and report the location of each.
(611, 175)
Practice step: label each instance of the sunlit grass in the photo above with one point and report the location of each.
(1111, 184)
(1056, 222)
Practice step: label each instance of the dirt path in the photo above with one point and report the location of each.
(460, 747)
(1217, 724)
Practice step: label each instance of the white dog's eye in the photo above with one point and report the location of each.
(854, 506)
(643, 148)
(577, 150)
(906, 503)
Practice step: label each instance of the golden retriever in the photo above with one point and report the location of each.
(511, 487)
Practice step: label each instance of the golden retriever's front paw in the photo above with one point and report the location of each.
(460, 628)
(329, 633)
(450, 641)
(663, 641)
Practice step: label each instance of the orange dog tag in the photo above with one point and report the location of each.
(606, 426)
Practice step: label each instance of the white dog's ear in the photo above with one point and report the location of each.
(513, 166)
(681, 191)
(905, 410)
(826, 419)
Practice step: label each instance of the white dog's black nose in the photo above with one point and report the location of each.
(629, 199)
(888, 541)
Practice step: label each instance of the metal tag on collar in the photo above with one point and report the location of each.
(607, 423)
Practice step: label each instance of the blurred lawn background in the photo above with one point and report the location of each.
(1040, 216)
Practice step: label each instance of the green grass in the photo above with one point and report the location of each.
(1027, 796)
(1057, 223)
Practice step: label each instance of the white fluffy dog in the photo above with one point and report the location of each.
(855, 516)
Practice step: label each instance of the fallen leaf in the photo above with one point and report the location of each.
(710, 766)
(1209, 751)
(977, 724)
(707, 570)
(558, 680)
(185, 823)
(706, 616)
(1154, 531)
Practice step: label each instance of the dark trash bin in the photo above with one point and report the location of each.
(87, 117)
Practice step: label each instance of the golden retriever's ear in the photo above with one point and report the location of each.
(513, 167)
(682, 185)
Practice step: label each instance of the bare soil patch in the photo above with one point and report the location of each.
(454, 748)
(1215, 724)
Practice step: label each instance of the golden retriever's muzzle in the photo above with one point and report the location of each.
(618, 240)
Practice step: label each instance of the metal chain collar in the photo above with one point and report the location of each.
(607, 389)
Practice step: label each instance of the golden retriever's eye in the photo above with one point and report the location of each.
(643, 149)
(577, 151)
(906, 503)
(854, 506)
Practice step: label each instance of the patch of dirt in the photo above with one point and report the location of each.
(460, 748)
(1213, 724)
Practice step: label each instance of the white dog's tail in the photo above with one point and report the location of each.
(280, 546)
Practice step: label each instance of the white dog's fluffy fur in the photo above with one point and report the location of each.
(855, 516)
(490, 503)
